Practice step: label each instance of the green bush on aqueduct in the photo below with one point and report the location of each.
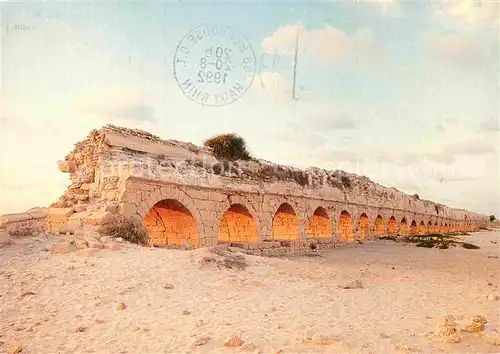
(228, 147)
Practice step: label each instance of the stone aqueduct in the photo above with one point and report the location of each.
(185, 196)
(201, 216)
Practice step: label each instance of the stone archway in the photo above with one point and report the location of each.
(403, 227)
(363, 227)
(378, 229)
(392, 226)
(345, 227)
(446, 228)
(319, 224)
(237, 225)
(421, 228)
(170, 223)
(285, 223)
(167, 193)
(430, 228)
(413, 228)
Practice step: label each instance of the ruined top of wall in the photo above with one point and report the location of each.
(111, 150)
(144, 142)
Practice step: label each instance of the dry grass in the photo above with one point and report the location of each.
(432, 240)
(127, 228)
(438, 241)
(221, 257)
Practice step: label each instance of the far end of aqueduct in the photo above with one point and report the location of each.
(184, 196)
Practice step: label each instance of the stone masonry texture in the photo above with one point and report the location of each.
(184, 196)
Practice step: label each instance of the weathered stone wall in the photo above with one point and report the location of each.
(278, 217)
(33, 220)
(283, 248)
(185, 196)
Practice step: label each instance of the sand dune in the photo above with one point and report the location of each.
(174, 303)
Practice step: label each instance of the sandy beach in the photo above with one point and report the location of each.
(156, 300)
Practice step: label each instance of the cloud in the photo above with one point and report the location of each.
(491, 125)
(458, 49)
(125, 104)
(388, 8)
(20, 114)
(446, 124)
(343, 155)
(444, 153)
(306, 139)
(272, 84)
(409, 186)
(467, 13)
(283, 40)
(469, 147)
(459, 179)
(11, 123)
(327, 46)
(440, 157)
(331, 122)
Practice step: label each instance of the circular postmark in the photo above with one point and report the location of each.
(214, 65)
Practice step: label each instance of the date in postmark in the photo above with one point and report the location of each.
(214, 65)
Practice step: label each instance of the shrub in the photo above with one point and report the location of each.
(128, 228)
(301, 178)
(426, 243)
(492, 218)
(389, 238)
(434, 240)
(217, 167)
(266, 172)
(346, 182)
(228, 147)
(470, 246)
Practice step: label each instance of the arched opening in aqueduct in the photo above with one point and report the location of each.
(378, 230)
(319, 224)
(429, 227)
(421, 228)
(413, 228)
(403, 228)
(169, 222)
(392, 226)
(346, 227)
(285, 223)
(237, 225)
(363, 227)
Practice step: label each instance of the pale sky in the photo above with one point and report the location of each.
(404, 93)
